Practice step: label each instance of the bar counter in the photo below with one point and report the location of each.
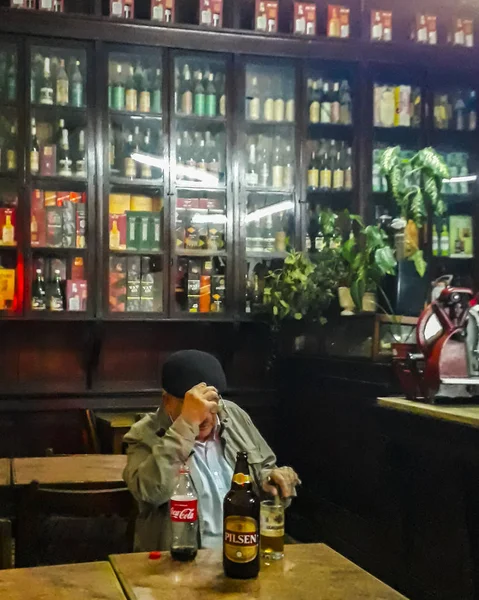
(461, 414)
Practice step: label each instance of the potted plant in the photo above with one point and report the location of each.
(416, 185)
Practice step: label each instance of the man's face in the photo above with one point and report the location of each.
(174, 406)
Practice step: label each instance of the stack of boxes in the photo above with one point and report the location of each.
(7, 288)
(205, 289)
(200, 224)
(135, 223)
(136, 284)
(58, 219)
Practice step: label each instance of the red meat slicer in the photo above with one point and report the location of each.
(447, 364)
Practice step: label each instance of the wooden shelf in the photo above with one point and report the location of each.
(136, 252)
(200, 121)
(135, 115)
(123, 182)
(200, 253)
(57, 250)
(41, 181)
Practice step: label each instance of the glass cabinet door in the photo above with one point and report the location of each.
(135, 171)
(202, 216)
(269, 157)
(11, 264)
(59, 137)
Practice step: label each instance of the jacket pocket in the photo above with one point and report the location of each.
(255, 461)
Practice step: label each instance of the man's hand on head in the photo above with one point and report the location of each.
(285, 479)
(199, 402)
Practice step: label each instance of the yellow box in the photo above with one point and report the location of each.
(141, 203)
(7, 288)
(119, 203)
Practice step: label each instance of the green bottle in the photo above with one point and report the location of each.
(118, 100)
(199, 105)
(211, 99)
(444, 241)
(76, 88)
(155, 93)
(12, 82)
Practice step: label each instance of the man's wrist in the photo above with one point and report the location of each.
(185, 428)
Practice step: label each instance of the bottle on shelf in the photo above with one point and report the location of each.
(345, 103)
(46, 88)
(12, 150)
(254, 101)
(289, 104)
(277, 167)
(56, 294)
(34, 151)
(335, 104)
(472, 111)
(325, 175)
(288, 168)
(129, 165)
(64, 158)
(338, 172)
(186, 92)
(268, 234)
(115, 236)
(459, 113)
(8, 232)
(199, 96)
(219, 80)
(313, 172)
(38, 292)
(118, 98)
(146, 171)
(62, 85)
(211, 97)
(444, 241)
(441, 111)
(76, 87)
(348, 170)
(252, 176)
(145, 93)
(279, 105)
(268, 106)
(12, 80)
(326, 104)
(155, 92)
(435, 241)
(315, 104)
(131, 93)
(80, 162)
(264, 167)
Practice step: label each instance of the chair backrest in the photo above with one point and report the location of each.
(58, 526)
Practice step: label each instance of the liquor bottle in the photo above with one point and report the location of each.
(145, 93)
(3, 72)
(435, 241)
(252, 176)
(146, 171)
(444, 241)
(111, 85)
(268, 107)
(155, 93)
(313, 172)
(80, 162)
(377, 179)
(129, 165)
(77, 87)
(62, 85)
(280, 234)
(277, 165)
(325, 104)
(201, 154)
(441, 112)
(288, 168)
(46, 89)
(264, 168)
(186, 92)
(12, 149)
(131, 93)
(12, 81)
(348, 170)
(56, 294)
(8, 232)
(63, 153)
(200, 99)
(460, 113)
(138, 76)
(290, 105)
(268, 234)
(335, 104)
(338, 173)
(325, 178)
(211, 97)
(279, 105)
(38, 292)
(241, 511)
(315, 104)
(220, 91)
(345, 104)
(115, 236)
(254, 103)
(119, 90)
(34, 151)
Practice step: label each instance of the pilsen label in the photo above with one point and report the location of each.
(241, 539)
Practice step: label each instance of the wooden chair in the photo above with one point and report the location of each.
(58, 526)
(6, 547)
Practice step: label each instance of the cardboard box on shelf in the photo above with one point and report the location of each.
(37, 219)
(8, 229)
(141, 203)
(218, 293)
(338, 21)
(266, 16)
(155, 237)
(7, 288)
(193, 287)
(205, 294)
(211, 13)
(461, 239)
(119, 203)
(78, 268)
(132, 231)
(133, 294)
(304, 18)
(146, 231)
(80, 225)
(48, 160)
(117, 281)
(117, 231)
(193, 304)
(69, 216)
(146, 286)
(163, 11)
(25, 4)
(124, 9)
(54, 226)
(187, 203)
(77, 295)
(50, 198)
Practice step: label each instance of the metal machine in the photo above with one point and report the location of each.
(446, 366)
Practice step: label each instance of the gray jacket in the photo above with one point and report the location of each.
(157, 449)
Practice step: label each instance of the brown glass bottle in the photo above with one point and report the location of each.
(241, 524)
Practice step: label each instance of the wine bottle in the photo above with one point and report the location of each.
(12, 149)
(313, 172)
(34, 151)
(211, 97)
(254, 103)
(199, 107)
(119, 90)
(62, 85)
(146, 171)
(129, 165)
(46, 89)
(64, 159)
(76, 88)
(131, 93)
(186, 92)
(155, 93)
(80, 163)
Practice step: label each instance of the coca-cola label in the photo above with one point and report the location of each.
(185, 511)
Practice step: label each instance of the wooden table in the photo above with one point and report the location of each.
(86, 581)
(102, 470)
(5, 466)
(113, 426)
(308, 572)
(464, 414)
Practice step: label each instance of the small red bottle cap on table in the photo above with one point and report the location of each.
(154, 555)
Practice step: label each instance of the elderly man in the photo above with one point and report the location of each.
(194, 425)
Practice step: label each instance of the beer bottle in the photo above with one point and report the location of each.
(241, 524)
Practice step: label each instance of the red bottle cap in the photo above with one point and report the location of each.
(155, 555)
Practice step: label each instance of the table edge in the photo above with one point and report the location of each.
(428, 410)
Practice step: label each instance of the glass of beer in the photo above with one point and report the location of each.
(272, 530)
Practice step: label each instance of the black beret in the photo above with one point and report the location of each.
(186, 368)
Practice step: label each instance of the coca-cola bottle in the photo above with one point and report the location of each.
(184, 518)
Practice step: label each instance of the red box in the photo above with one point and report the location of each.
(77, 295)
(48, 160)
(205, 294)
(78, 268)
(8, 230)
(51, 5)
(304, 22)
(387, 18)
(117, 284)
(266, 16)
(211, 13)
(381, 25)
(187, 203)
(338, 21)
(163, 11)
(118, 236)
(62, 198)
(37, 219)
(124, 9)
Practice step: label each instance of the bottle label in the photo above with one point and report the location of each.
(38, 303)
(46, 95)
(326, 112)
(335, 112)
(130, 167)
(338, 179)
(118, 98)
(279, 109)
(241, 478)
(241, 539)
(185, 511)
(254, 109)
(325, 179)
(223, 105)
(277, 176)
(313, 178)
(34, 161)
(145, 102)
(199, 105)
(131, 100)
(314, 112)
(62, 92)
(56, 303)
(348, 179)
(269, 109)
(290, 111)
(65, 167)
(80, 167)
(211, 105)
(288, 177)
(146, 171)
(156, 102)
(77, 95)
(187, 103)
(252, 178)
(11, 160)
